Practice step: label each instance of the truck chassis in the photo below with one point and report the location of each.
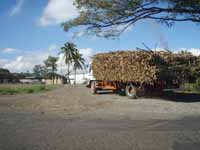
(131, 89)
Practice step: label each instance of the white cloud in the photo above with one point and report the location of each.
(17, 8)
(58, 11)
(9, 50)
(194, 51)
(25, 62)
(87, 54)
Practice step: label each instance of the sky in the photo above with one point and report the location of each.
(30, 31)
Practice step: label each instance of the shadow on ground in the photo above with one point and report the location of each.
(177, 96)
(170, 95)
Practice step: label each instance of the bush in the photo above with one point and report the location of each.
(187, 87)
(42, 87)
(191, 87)
(197, 84)
(30, 91)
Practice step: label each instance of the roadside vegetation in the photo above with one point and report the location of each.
(191, 87)
(12, 89)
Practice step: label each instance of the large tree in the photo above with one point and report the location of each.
(69, 50)
(40, 71)
(111, 17)
(51, 63)
(79, 63)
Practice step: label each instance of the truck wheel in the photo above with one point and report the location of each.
(93, 87)
(131, 91)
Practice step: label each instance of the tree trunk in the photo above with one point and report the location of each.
(75, 76)
(53, 76)
(68, 74)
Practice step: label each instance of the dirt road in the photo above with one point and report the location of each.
(71, 118)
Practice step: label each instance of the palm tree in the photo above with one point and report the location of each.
(69, 50)
(79, 62)
(51, 62)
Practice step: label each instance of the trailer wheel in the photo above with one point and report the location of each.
(93, 87)
(131, 91)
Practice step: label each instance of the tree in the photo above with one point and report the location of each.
(37, 70)
(40, 71)
(111, 17)
(4, 71)
(185, 52)
(79, 62)
(69, 50)
(51, 62)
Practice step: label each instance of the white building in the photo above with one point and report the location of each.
(82, 76)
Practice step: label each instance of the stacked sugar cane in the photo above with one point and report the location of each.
(138, 66)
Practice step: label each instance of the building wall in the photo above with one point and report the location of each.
(80, 78)
(4, 81)
(57, 81)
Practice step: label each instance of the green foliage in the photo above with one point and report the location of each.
(4, 71)
(78, 61)
(51, 62)
(40, 71)
(111, 17)
(197, 85)
(23, 89)
(69, 50)
(191, 87)
(72, 55)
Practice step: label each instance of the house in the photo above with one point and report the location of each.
(54, 79)
(81, 76)
(30, 80)
(7, 77)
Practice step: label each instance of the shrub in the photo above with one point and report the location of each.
(30, 90)
(191, 87)
(42, 87)
(187, 87)
(197, 84)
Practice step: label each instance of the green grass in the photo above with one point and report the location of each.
(12, 89)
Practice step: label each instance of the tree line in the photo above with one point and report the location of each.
(72, 57)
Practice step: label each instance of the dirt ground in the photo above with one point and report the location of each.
(77, 98)
(72, 118)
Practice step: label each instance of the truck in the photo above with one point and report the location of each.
(135, 73)
(130, 88)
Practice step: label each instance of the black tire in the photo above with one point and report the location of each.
(131, 91)
(93, 87)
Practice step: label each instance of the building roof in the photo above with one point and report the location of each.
(50, 75)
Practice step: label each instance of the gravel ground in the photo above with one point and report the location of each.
(71, 118)
(77, 98)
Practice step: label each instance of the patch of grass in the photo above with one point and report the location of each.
(23, 89)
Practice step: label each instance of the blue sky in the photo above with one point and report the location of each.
(31, 30)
